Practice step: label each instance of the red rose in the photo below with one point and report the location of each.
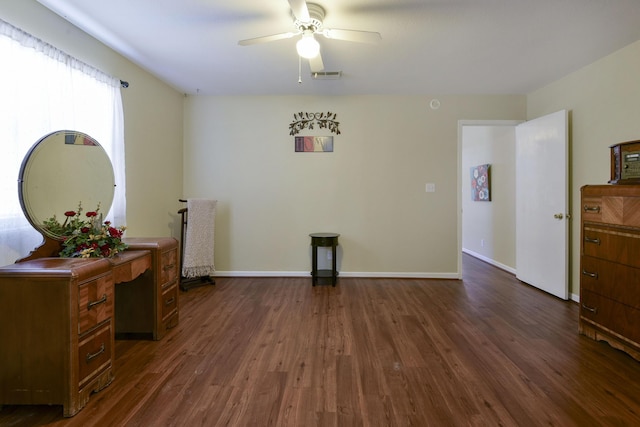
(91, 214)
(114, 232)
(85, 229)
(69, 213)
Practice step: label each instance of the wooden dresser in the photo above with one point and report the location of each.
(56, 331)
(610, 265)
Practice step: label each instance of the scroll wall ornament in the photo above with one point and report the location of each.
(310, 120)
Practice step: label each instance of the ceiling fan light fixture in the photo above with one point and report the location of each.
(308, 47)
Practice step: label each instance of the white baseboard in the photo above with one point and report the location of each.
(490, 261)
(572, 297)
(390, 275)
(384, 275)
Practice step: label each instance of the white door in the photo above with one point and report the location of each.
(541, 203)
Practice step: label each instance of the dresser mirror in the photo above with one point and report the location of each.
(61, 171)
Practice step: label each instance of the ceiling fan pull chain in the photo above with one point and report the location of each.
(299, 70)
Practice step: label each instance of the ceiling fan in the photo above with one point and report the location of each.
(308, 19)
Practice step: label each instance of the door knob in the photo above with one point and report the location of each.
(558, 216)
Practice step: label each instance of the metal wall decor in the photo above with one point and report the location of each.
(310, 120)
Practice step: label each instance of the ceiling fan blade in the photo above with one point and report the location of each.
(316, 64)
(352, 35)
(300, 10)
(265, 39)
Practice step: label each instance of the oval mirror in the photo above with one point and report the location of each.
(62, 170)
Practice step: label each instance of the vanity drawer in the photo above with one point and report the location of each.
(130, 264)
(617, 317)
(169, 267)
(618, 244)
(95, 302)
(612, 280)
(94, 353)
(169, 301)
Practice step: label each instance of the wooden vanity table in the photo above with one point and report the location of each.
(59, 318)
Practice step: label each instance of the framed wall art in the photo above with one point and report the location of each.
(313, 144)
(481, 183)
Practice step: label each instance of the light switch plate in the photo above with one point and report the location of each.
(430, 187)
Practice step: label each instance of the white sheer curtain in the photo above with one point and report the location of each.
(43, 90)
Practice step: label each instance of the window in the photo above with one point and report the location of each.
(45, 90)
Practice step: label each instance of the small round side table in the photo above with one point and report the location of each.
(324, 240)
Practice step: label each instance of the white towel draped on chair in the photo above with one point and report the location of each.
(199, 238)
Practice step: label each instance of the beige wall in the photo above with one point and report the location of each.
(153, 119)
(371, 189)
(603, 100)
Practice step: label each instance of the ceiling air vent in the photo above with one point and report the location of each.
(326, 75)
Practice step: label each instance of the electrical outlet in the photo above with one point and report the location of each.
(430, 187)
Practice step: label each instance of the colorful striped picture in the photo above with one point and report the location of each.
(313, 144)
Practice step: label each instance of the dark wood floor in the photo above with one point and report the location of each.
(485, 351)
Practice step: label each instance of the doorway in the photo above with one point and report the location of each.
(530, 177)
(487, 227)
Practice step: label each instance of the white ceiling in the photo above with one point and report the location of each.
(428, 46)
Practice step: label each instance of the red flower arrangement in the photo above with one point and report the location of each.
(90, 237)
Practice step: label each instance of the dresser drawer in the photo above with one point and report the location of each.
(612, 280)
(618, 210)
(592, 209)
(169, 301)
(631, 211)
(617, 317)
(169, 267)
(616, 244)
(94, 353)
(95, 302)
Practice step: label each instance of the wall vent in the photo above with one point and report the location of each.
(326, 75)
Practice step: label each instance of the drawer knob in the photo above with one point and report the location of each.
(98, 302)
(91, 356)
(588, 208)
(593, 310)
(170, 301)
(587, 273)
(592, 240)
